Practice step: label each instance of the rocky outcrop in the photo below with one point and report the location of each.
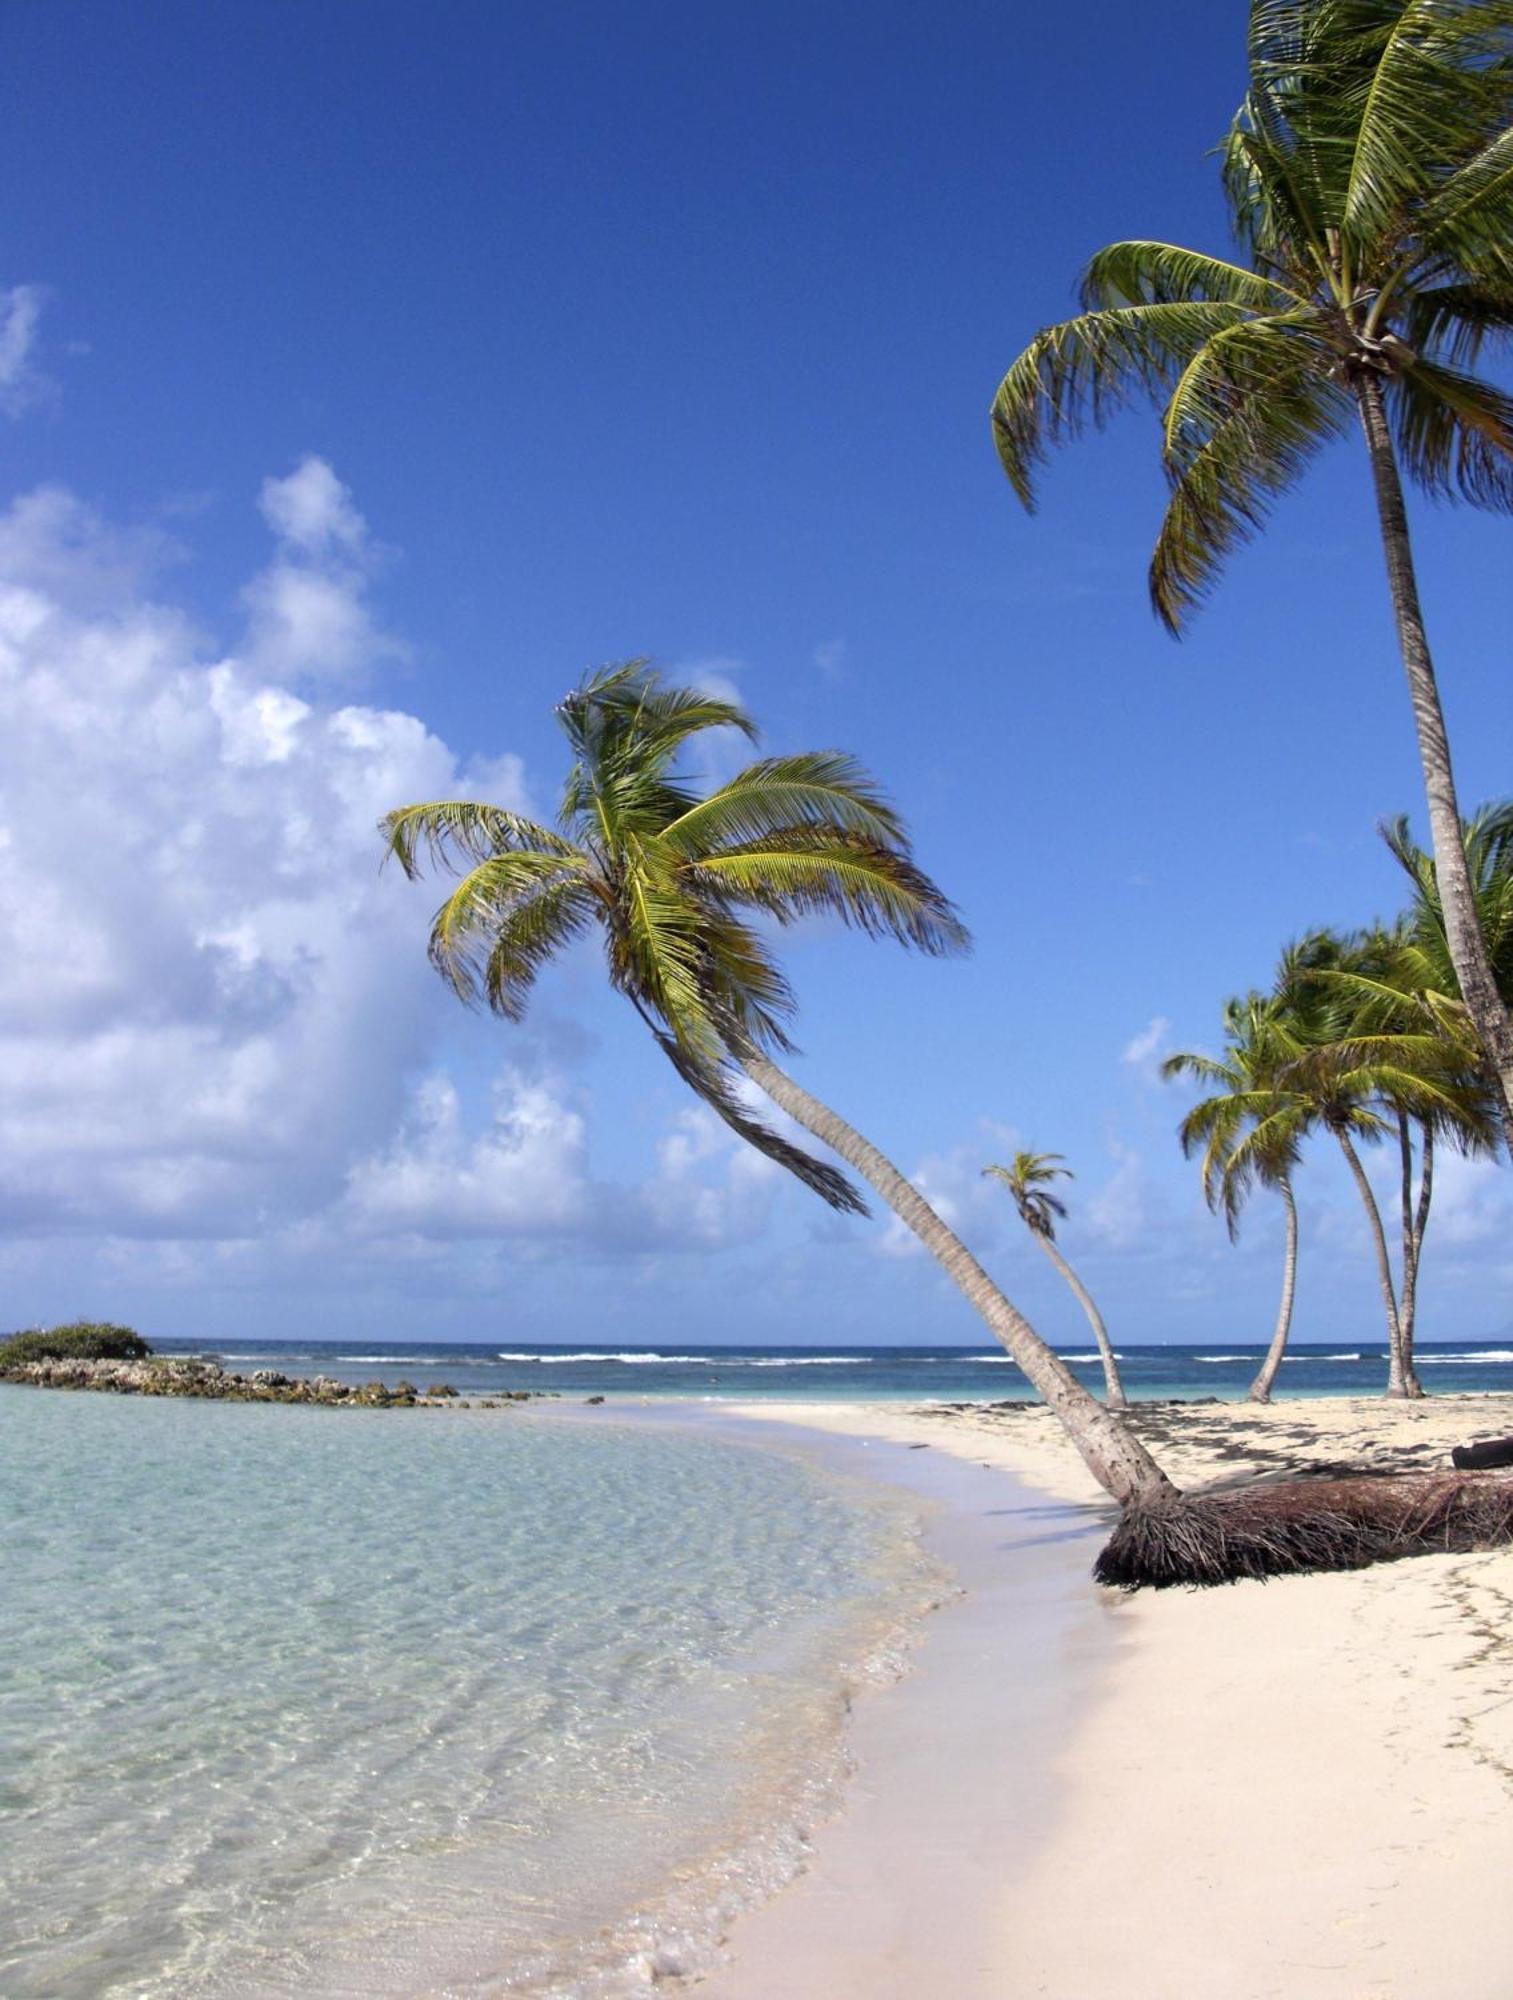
(165, 1375)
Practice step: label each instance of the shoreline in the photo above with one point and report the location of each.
(1297, 1790)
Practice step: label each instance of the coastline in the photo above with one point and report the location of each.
(1297, 1790)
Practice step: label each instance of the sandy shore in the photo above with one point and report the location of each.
(1301, 1790)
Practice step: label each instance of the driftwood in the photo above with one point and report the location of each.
(1304, 1524)
(1482, 1457)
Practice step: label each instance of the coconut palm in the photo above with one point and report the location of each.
(1369, 175)
(1030, 1180)
(1387, 1016)
(1249, 1134)
(684, 890)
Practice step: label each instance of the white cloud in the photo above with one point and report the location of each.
(527, 1171)
(309, 618)
(312, 510)
(1146, 1048)
(21, 384)
(214, 1006)
(207, 994)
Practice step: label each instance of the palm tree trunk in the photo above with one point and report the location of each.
(1113, 1386)
(1415, 1222)
(1468, 947)
(1383, 1263)
(1260, 1389)
(1109, 1448)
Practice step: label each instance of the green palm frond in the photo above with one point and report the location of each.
(1029, 1181)
(454, 832)
(802, 871)
(1369, 173)
(1455, 434)
(684, 888)
(714, 1083)
(821, 788)
(1247, 416)
(1085, 369)
(504, 919)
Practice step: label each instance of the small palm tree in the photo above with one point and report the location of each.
(1369, 174)
(684, 891)
(1386, 1017)
(1029, 1180)
(1250, 1133)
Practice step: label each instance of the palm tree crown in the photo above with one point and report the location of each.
(1029, 1180)
(1249, 1131)
(1369, 174)
(683, 887)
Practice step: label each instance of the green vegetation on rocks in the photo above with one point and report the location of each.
(80, 1340)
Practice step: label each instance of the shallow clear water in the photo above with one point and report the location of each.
(402, 1702)
(1216, 1367)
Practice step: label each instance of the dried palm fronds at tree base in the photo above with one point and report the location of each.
(1304, 1524)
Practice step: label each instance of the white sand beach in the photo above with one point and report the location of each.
(1299, 1790)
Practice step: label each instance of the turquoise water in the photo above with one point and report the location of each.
(394, 1703)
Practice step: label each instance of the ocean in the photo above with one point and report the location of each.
(907, 1374)
(398, 1703)
(390, 1704)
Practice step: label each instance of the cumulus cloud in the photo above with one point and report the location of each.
(309, 618)
(218, 1031)
(21, 383)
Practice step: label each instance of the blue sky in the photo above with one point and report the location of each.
(395, 364)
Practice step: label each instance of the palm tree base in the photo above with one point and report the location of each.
(1304, 1525)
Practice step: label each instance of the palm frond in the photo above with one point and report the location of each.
(804, 871)
(1244, 421)
(503, 921)
(713, 1082)
(1455, 433)
(456, 832)
(819, 788)
(1083, 370)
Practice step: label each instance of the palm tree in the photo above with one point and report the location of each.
(1250, 1132)
(1369, 174)
(1029, 1180)
(1391, 1009)
(683, 890)
(1367, 1079)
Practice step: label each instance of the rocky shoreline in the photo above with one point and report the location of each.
(163, 1375)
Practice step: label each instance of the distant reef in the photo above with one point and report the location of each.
(96, 1355)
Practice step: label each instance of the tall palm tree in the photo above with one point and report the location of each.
(684, 890)
(1249, 1134)
(1369, 174)
(1030, 1180)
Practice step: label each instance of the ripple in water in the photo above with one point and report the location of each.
(390, 1703)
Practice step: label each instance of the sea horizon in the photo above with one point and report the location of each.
(842, 1371)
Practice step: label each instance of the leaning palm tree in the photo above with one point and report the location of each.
(1369, 174)
(1030, 1180)
(1249, 1134)
(683, 890)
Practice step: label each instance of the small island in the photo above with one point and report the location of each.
(90, 1354)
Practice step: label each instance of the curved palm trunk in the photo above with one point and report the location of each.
(1415, 1222)
(1110, 1450)
(1113, 1386)
(1383, 1268)
(1468, 948)
(1260, 1389)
